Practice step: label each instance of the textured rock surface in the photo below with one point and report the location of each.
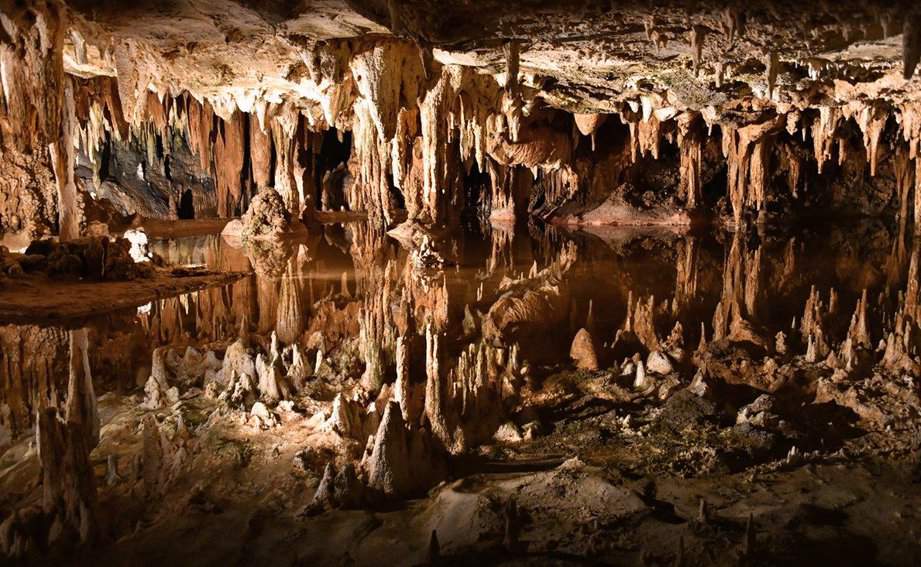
(515, 266)
(565, 113)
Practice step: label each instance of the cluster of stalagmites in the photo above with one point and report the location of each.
(414, 405)
(866, 369)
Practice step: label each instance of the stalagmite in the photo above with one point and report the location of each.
(389, 467)
(404, 390)
(859, 333)
(582, 351)
(434, 198)
(81, 409)
(434, 388)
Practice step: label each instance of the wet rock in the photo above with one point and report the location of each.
(271, 386)
(152, 455)
(139, 250)
(350, 419)
(642, 380)
(241, 391)
(96, 258)
(154, 395)
(23, 532)
(238, 360)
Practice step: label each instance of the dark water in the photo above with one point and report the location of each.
(687, 274)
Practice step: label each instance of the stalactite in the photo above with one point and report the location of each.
(747, 152)
(823, 133)
(697, 36)
(690, 144)
(904, 181)
(512, 52)
(588, 124)
(911, 45)
(201, 119)
(436, 154)
(70, 206)
(773, 66)
(644, 137)
(260, 152)
(872, 121)
(36, 116)
(31, 58)
(918, 195)
(370, 164)
(794, 165)
(384, 75)
(228, 164)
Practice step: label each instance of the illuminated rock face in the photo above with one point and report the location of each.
(513, 275)
(562, 126)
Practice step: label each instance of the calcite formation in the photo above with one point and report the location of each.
(524, 282)
(427, 108)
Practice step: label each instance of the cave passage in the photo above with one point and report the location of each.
(186, 206)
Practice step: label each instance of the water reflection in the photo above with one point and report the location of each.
(452, 323)
(303, 289)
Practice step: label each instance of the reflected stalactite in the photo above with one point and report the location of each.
(687, 274)
(34, 362)
(736, 314)
(747, 152)
(502, 255)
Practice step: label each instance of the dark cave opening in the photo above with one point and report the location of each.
(331, 169)
(186, 208)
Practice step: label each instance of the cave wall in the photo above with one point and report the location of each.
(423, 113)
